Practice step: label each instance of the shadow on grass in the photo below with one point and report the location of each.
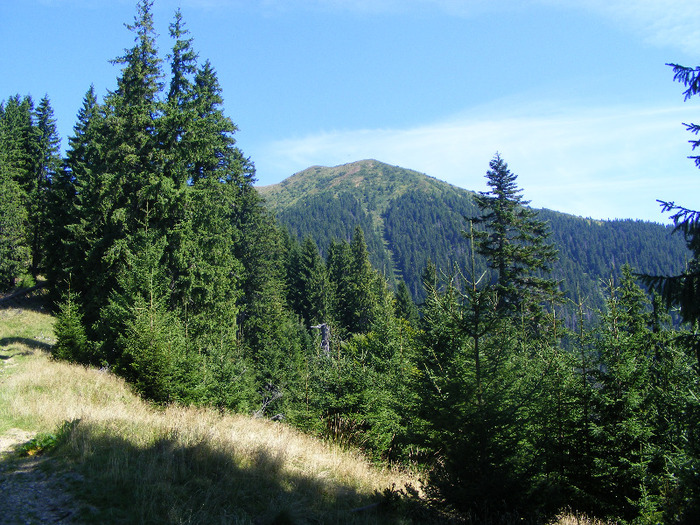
(33, 344)
(7, 355)
(171, 482)
(34, 298)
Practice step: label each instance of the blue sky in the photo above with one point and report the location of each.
(574, 94)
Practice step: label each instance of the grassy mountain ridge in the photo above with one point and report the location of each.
(381, 180)
(410, 218)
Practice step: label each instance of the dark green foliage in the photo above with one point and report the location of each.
(17, 135)
(514, 242)
(309, 293)
(74, 204)
(153, 341)
(356, 390)
(356, 287)
(14, 249)
(338, 218)
(165, 239)
(271, 338)
(18, 159)
(47, 167)
(629, 400)
(622, 431)
(405, 307)
(471, 407)
(29, 166)
(206, 272)
(71, 341)
(427, 225)
(362, 293)
(682, 291)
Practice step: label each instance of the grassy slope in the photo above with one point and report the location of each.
(145, 464)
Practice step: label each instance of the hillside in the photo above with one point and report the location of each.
(91, 451)
(410, 218)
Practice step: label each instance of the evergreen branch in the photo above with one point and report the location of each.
(689, 77)
(678, 290)
(684, 219)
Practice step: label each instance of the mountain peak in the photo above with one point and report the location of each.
(317, 179)
(372, 175)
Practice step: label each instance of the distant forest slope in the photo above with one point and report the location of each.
(410, 218)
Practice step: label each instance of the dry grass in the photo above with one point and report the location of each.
(579, 519)
(176, 465)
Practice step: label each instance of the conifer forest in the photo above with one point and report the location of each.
(510, 396)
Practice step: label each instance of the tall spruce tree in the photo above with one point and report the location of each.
(16, 164)
(515, 244)
(482, 405)
(179, 112)
(682, 291)
(47, 168)
(623, 431)
(338, 265)
(133, 194)
(19, 145)
(73, 206)
(473, 409)
(14, 249)
(308, 291)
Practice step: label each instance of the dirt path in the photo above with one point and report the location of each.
(31, 494)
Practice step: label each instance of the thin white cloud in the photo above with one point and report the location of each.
(660, 22)
(605, 163)
(451, 7)
(674, 24)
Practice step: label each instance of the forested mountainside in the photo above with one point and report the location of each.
(410, 218)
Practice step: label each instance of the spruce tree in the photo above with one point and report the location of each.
(76, 202)
(206, 268)
(471, 413)
(682, 291)
(14, 249)
(480, 391)
(47, 168)
(18, 140)
(179, 111)
(117, 166)
(71, 340)
(405, 307)
(308, 289)
(73, 206)
(338, 266)
(270, 335)
(515, 243)
(623, 432)
(16, 165)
